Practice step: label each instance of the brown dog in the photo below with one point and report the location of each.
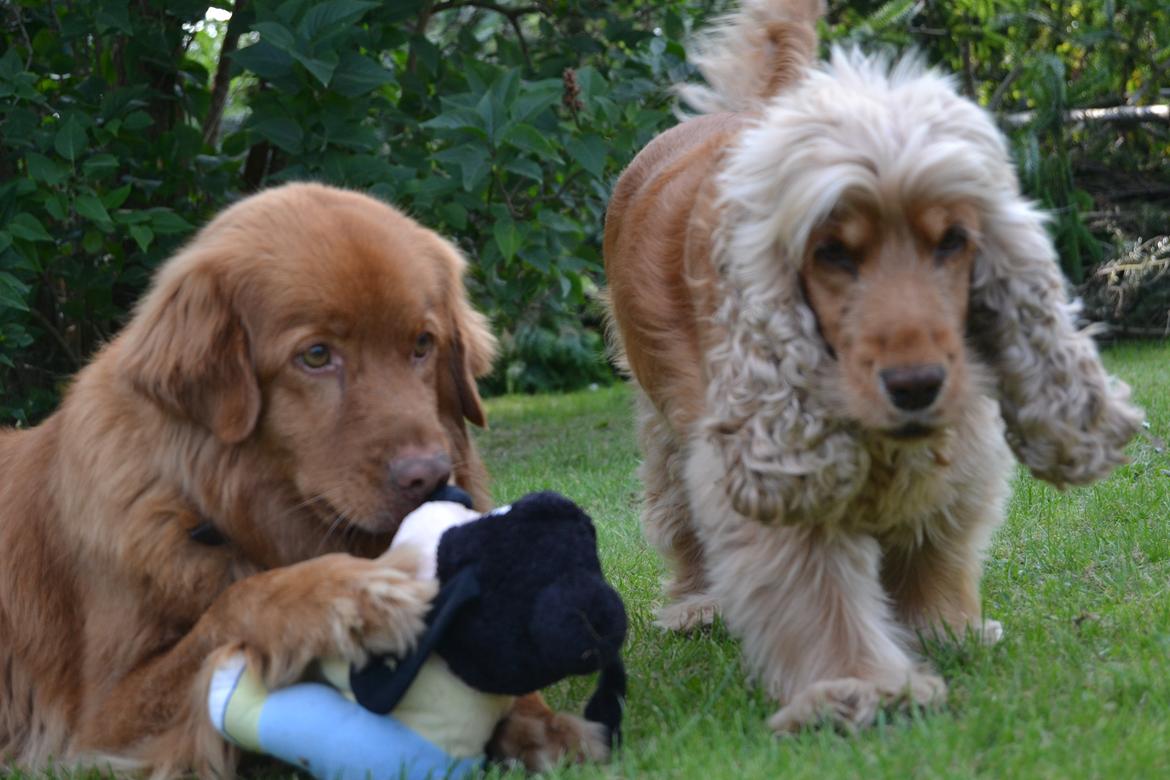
(296, 381)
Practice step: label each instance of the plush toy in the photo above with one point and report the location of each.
(522, 604)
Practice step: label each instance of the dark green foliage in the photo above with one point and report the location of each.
(499, 126)
(102, 172)
(1046, 58)
(124, 125)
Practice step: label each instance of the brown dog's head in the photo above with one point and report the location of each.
(881, 271)
(328, 332)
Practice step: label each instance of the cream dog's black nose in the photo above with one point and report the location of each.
(913, 388)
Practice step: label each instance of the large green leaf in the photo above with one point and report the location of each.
(44, 169)
(281, 131)
(534, 97)
(276, 34)
(142, 235)
(13, 292)
(507, 236)
(525, 167)
(115, 198)
(70, 140)
(265, 60)
(28, 228)
(99, 165)
(589, 152)
(502, 96)
(356, 75)
(321, 65)
(472, 159)
(336, 13)
(457, 117)
(11, 65)
(528, 139)
(164, 221)
(90, 206)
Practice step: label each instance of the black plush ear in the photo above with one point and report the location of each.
(608, 701)
(187, 349)
(380, 685)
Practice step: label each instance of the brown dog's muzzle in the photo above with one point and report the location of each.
(414, 477)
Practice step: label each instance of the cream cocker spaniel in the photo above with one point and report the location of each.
(843, 318)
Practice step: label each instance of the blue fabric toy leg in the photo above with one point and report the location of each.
(316, 728)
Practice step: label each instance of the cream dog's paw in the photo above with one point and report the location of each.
(852, 703)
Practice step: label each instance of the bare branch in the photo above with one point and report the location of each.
(219, 89)
(56, 334)
(1001, 91)
(1125, 115)
(511, 13)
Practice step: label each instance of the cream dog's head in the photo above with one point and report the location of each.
(881, 269)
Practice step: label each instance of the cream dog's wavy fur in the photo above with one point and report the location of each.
(775, 496)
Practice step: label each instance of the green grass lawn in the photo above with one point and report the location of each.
(1079, 687)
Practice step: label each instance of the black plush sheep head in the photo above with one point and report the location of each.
(544, 610)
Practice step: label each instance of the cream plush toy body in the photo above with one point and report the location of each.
(522, 604)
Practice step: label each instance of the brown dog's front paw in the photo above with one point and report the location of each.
(537, 737)
(333, 606)
(384, 609)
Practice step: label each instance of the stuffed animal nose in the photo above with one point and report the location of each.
(417, 476)
(913, 388)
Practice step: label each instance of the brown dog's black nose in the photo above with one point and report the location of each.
(417, 476)
(913, 388)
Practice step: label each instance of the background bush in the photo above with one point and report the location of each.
(126, 123)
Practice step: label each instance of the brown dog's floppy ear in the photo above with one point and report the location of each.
(473, 347)
(188, 350)
(1067, 420)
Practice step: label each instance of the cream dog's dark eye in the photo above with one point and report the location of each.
(316, 356)
(423, 344)
(833, 253)
(952, 242)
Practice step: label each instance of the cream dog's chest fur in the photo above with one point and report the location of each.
(912, 488)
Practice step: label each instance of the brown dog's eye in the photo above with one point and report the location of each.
(952, 242)
(423, 344)
(317, 356)
(833, 253)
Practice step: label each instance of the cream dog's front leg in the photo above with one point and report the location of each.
(808, 604)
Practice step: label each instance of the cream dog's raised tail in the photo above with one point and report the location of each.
(751, 55)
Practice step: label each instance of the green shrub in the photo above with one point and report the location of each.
(499, 126)
(502, 125)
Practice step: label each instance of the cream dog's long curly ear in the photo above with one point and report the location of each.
(1068, 421)
(786, 457)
